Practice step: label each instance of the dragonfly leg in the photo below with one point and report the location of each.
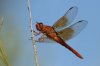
(36, 33)
(35, 40)
(41, 39)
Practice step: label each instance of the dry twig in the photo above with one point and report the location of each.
(32, 32)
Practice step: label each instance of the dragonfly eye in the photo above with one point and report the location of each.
(39, 26)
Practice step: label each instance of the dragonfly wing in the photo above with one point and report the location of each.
(66, 19)
(72, 30)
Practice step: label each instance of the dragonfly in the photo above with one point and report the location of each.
(62, 30)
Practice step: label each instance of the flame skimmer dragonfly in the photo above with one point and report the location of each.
(61, 31)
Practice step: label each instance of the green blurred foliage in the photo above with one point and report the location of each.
(10, 39)
(10, 33)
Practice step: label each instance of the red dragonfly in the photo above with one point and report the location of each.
(61, 31)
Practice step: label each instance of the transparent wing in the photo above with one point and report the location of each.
(66, 19)
(72, 30)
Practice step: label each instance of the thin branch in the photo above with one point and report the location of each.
(32, 32)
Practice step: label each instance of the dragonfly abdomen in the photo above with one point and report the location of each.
(60, 41)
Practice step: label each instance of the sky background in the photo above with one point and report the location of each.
(87, 43)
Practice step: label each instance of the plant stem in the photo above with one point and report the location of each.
(32, 32)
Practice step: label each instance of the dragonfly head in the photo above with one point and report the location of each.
(39, 26)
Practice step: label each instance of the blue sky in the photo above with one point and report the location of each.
(86, 43)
